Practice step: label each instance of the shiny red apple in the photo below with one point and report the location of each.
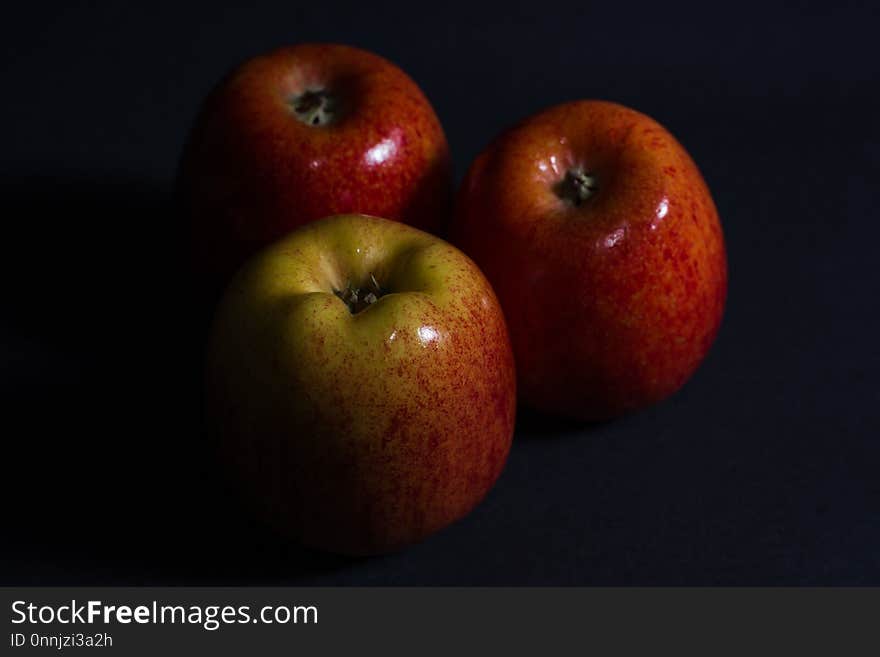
(601, 239)
(361, 384)
(301, 133)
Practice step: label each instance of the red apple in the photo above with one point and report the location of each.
(361, 384)
(604, 246)
(301, 133)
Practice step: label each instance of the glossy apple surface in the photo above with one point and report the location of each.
(305, 132)
(604, 246)
(360, 427)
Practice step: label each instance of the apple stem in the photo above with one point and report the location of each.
(577, 186)
(358, 299)
(314, 108)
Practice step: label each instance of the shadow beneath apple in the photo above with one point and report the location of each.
(532, 424)
(111, 478)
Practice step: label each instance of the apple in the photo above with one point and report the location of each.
(361, 384)
(301, 133)
(603, 244)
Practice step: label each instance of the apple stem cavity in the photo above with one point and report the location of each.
(314, 108)
(577, 186)
(358, 299)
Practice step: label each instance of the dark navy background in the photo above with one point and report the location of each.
(762, 470)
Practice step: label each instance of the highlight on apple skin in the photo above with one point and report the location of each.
(361, 384)
(304, 132)
(602, 241)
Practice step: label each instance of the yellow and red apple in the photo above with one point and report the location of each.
(361, 384)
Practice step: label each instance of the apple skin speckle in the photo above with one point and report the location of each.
(613, 303)
(252, 171)
(361, 433)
